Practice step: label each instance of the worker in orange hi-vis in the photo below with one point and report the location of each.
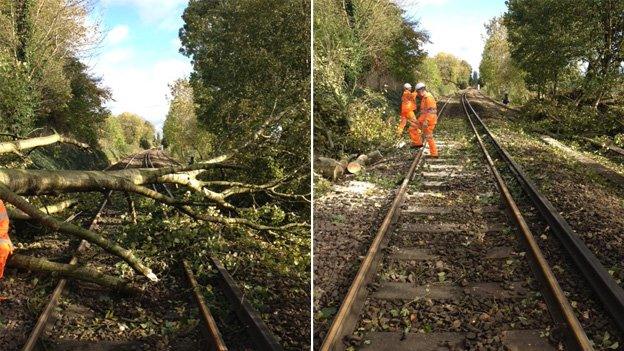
(408, 105)
(6, 247)
(427, 118)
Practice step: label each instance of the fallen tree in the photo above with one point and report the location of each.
(17, 183)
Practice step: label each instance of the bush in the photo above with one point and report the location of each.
(368, 127)
(568, 119)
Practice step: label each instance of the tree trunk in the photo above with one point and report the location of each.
(361, 161)
(87, 274)
(92, 237)
(329, 168)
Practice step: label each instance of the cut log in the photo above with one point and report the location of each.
(329, 168)
(361, 161)
(87, 274)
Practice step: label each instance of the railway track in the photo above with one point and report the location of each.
(259, 335)
(45, 318)
(454, 267)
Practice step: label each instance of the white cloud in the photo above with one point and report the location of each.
(116, 56)
(461, 37)
(154, 11)
(412, 4)
(141, 88)
(118, 34)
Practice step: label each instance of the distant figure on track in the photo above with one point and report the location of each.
(408, 105)
(6, 246)
(506, 99)
(427, 118)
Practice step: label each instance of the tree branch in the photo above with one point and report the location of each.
(19, 145)
(71, 271)
(67, 228)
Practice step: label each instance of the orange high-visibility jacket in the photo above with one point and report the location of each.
(6, 247)
(427, 105)
(408, 102)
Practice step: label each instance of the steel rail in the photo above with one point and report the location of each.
(346, 318)
(215, 341)
(601, 282)
(42, 321)
(259, 332)
(558, 304)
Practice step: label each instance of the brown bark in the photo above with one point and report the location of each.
(329, 168)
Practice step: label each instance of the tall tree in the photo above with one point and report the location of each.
(40, 41)
(251, 65)
(361, 47)
(499, 73)
(84, 114)
(453, 70)
(550, 39)
(185, 136)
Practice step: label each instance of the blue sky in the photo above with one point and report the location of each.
(139, 56)
(455, 26)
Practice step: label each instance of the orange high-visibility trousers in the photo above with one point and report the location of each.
(414, 127)
(430, 120)
(6, 247)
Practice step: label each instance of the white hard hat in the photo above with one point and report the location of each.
(420, 85)
(407, 86)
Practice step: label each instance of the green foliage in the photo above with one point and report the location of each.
(112, 140)
(83, 115)
(583, 34)
(573, 56)
(568, 119)
(135, 129)
(183, 135)
(367, 125)
(453, 71)
(125, 134)
(428, 70)
(251, 61)
(499, 72)
(42, 83)
(406, 52)
(353, 62)
(17, 103)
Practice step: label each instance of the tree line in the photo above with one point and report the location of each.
(45, 84)
(364, 50)
(565, 61)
